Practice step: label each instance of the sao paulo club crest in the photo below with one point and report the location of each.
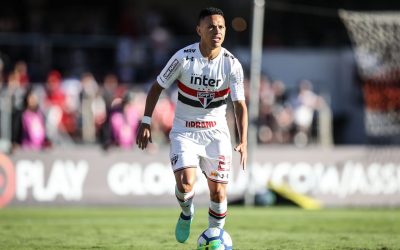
(205, 98)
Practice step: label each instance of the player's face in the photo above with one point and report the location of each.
(211, 30)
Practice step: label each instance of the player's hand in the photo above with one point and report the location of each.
(143, 136)
(242, 149)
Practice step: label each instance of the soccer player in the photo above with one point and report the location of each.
(205, 74)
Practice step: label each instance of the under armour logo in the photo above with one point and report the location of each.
(190, 58)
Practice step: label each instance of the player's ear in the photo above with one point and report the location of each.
(198, 30)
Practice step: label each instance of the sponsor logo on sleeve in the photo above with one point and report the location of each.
(171, 69)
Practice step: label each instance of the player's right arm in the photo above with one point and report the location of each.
(144, 132)
(167, 76)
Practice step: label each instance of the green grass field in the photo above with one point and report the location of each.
(153, 228)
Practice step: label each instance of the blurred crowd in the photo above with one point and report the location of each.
(105, 112)
(75, 111)
(288, 116)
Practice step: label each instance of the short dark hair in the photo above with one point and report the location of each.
(208, 12)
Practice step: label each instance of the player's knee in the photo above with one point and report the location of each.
(218, 196)
(185, 187)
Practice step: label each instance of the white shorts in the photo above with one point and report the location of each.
(209, 149)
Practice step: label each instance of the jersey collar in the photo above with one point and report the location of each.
(204, 58)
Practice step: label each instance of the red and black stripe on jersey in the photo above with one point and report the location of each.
(196, 102)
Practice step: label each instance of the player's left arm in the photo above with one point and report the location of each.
(240, 109)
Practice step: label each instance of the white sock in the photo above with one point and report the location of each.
(185, 200)
(217, 214)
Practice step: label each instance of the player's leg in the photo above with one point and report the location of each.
(218, 204)
(216, 166)
(184, 162)
(217, 173)
(184, 191)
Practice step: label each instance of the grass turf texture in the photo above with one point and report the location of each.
(153, 228)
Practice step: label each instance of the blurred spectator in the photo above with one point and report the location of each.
(93, 109)
(11, 105)
(124, 121)
(54, 105)
(15, 94)
(90, 86)
(21, 72)
(306, 103)
(267, 121)
(71, 108)
(280, 93)
(282, 113)
(276, 116)
(109, 92)
(16, 90)
(55, 94)
(163, 117)
(29, 129)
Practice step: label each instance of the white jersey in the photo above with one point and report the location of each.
(203, 87)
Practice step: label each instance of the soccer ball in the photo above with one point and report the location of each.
(214, 238)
